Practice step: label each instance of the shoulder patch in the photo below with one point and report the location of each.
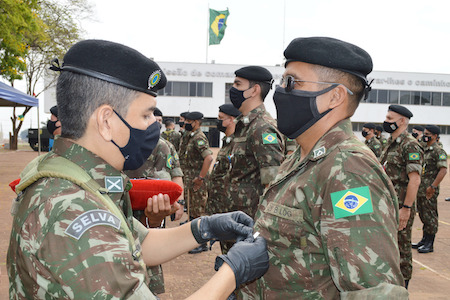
(351, 202)
(201, 142)
(114, 184)
(170, 161)
(90, 219)
(414, 156)
(269, 138)
(319, 152)
(376, 146)
(442, 157)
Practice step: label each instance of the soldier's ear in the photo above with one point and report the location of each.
(105, 121)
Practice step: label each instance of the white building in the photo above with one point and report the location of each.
(204, 87)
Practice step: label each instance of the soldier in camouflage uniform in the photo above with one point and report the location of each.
(170, 134)
(417, 133)
(380, 137)
(403, 159)
(371, 141)
(331, 200)
(217, 185)
(184, 139)
(258, 145)
(434, 170)
(73, 233)
(198, 158)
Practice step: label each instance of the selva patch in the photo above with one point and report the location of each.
(90, 219)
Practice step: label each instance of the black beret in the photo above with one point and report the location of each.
(369, 125)
(115, 63)
(433, 129)
(184, 114)
(418, 127)
(194, 115)
(255, 73)
(401, 110)
(229, 109)
(379, 128)
(158, 112)
(54, 110)
(331, 53)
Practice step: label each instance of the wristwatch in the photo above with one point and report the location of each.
(182, 202)
(433, 187)
(406, 206)
(200, 178)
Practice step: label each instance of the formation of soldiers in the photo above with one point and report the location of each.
(317, 196)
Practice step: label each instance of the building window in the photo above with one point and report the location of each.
(405, 97)
(446, 99)
(227, 92)
(436, 99)
(187, 89)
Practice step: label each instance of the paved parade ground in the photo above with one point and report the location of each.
(431, 274)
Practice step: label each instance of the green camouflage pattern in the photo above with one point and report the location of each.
(312, 254)
(291, 145)
(254, 162)
(399, 159)
(197, 149)
(383, 141)
(217, 185)
(163, 163)
(435, 158)
(375, 145)
(174, 137)
(182, 148)
(44, 262)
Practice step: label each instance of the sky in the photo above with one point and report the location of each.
(405, 36)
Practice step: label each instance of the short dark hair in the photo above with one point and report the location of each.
(265, 87)
(78, 96)
(168, 122)
(352, 82)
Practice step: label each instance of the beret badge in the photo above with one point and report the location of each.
(154, 78)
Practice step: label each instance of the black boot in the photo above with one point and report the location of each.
(199, 249)
(419, 244)
(428, 245)
(406, 284)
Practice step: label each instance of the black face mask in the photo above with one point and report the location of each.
(220, 126)
(297, 110)
(364, 133)
(390, 127)
(140, 145)
(181, 123)
(415, 135)
(188, 127)
(51, 126)
(237, 97)
(426, 138)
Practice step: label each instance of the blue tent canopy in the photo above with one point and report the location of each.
(10, 96)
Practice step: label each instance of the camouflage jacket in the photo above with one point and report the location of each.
(402, 156)
(323, 217)
(182, 148)
(256, 156)
(163, 163)
(217, 185)
(434, 159)
(174, 137)
(197, 148)
(64, 242)
(383, 141)
(291, 145)
(374, 145)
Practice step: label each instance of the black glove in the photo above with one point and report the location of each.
(229, 226)
(248, 260)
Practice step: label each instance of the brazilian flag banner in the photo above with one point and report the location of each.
(217, 25)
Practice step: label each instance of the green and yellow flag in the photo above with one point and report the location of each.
(217, 25)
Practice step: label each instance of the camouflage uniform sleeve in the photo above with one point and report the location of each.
(268, 149)
(96, 263)
(202, 145)
(442, 159)
(351, 232)
(175, 162)
(413, 156)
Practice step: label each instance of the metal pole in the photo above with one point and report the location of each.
(39, 131)
(207, 35)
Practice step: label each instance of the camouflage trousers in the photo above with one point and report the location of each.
(196, 200)
(156, 276)
(428, 211)
(216, 199)
(404, 245)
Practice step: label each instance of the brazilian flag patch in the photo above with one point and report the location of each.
(170, 161)
(352, 202)
(413, 156)
(201, 143)
(443, 157)
(269, 138)
(376, 146)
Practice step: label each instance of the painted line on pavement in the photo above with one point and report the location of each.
(444, 222)
(428, 268)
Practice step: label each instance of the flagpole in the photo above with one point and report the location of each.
(207, 34)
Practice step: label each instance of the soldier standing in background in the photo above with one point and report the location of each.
(417, 133)
(371, 141)
(217, 185)
(170, 135)
(330, 202)
(434, 170)
(184, 139)
(258, 145)
(380, 137)
(403, 159)
(198, 158)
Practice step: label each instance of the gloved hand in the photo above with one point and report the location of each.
(248, 260)
(229, 226)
